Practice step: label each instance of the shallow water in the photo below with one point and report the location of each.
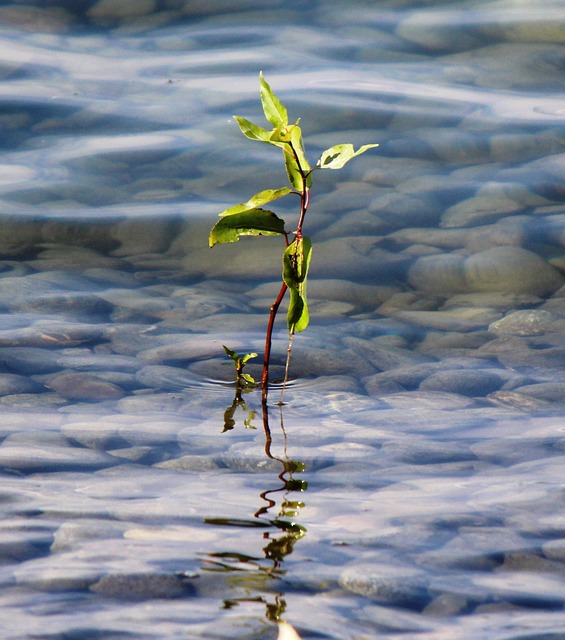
(412, 484)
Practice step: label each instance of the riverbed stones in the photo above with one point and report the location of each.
(504, 269)
(526, 322)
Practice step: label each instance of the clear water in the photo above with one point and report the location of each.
(369, 506)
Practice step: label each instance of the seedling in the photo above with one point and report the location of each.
(244, 383)
(251, 219)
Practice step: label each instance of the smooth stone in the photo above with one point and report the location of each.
(493, 300)
(189, 463)
(95, 434)
(527, 322)
(442, 344)
(491, 201)
(110, 10)
(141, 586)
(130, 303)
(54, 333)
(73, 259)
(499, 269)
(185, 347)
(404, 209)
(30, 360)
(151, 403)
(11, 383)
(428, 453)
(164, 378)
(84, 386)
(328, 362)
(384, 358)
(72, 533)
(340, 290)
(426, 400)
(86, 360)
(34, 459)
(548, 391)
(442, 274)
(511, 269)
(400, 586)
(465, 382)
(437, 30)
(544, 360)
(441, 238)
(410, 301)
(243, 456)
(463, 319)
(513, 230)
(520, 402)
(146, 235)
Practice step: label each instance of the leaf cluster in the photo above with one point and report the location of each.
(252, 219)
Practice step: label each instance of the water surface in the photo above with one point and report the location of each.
(411, 485)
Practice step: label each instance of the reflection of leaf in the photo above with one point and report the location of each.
(287, 632)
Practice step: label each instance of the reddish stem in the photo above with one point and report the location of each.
(267, 356)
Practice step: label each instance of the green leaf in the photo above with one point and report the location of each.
(253, 131)
(232, 354)
(248, 357)
(290, 140)
(249, 379)
(259, 199)
(296, 260)
(340, 154)
(274, 110)
(254, 222)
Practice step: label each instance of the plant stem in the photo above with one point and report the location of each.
(304, 202)
(267, 356)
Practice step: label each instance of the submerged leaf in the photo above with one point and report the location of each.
(252, 222)
(296, 260)
(259, 199)
(274, 110)
(340, 154)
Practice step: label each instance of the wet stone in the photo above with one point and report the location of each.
(505, 269)
(164, 378)
(384, 358)
(527, 322)
(142, 586)
(54, 333)
(464, 382)
(400, 586)
(34, 458)
(11, 384)
(84, 386)
(547, 391)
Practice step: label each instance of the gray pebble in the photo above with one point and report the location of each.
(84, 386)
(527, 322)
(466, 382)
(36, 458)
(395, 585)
(11, 383)
(141, 586)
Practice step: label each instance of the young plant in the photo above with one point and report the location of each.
(244, 383)
(251, 219)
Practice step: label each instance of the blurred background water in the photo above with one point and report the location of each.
(414, 483)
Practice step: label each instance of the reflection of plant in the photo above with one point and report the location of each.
(243, 384)
(251, 219)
